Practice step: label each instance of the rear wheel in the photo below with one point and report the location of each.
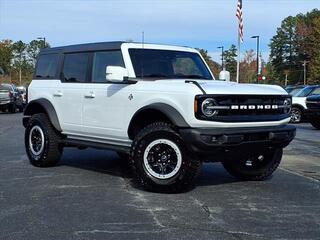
(42, 142)
(315, 122)
(160, 159)
(256, 167)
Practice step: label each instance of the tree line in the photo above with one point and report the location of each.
(296, 42)
(17, 60)
(247, 64)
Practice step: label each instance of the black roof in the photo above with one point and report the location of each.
(84, 47)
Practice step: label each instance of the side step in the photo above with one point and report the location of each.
(82, 143)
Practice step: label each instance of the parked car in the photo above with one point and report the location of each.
(160, 106)
(23, 92)
(313, 111)
(10, 98)
(299, 102)
(292, 90)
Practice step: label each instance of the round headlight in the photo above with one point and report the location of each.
(207, 107)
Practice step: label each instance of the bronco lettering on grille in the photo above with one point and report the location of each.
(252, 107)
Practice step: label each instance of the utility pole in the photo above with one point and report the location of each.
(20, 63)
(286, 72)
(304, 72)
(258, 43)
(222, 53)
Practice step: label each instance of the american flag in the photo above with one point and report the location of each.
(239, 16)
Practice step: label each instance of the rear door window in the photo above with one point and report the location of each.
(75, 67)
(47, 66)
(103, 59)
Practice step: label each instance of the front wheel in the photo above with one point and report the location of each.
(315, 122)
(296, 115)
(42, 142)
(257, 167)
(160, 160)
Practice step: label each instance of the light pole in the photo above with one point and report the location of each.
(221, 56)
(44, 41)
(258, 42)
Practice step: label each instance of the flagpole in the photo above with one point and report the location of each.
(238, 61)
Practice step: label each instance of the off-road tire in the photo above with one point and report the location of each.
(238, 169)
(52, 149)
(315, 122)
(183, 178)
(296, 115)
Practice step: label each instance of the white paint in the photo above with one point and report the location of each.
(108, 111)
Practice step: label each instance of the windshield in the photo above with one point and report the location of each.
(294, 91)
(304, 92)
(157, 64)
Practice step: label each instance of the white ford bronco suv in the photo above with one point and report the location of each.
(158, 105)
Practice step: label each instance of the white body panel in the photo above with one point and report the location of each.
(299, 101)
(66, 99)
(104, 110)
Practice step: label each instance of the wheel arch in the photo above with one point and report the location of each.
(43, 105)
(299, 106)
(152, 113)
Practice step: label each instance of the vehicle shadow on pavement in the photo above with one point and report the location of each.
(101, 161)
(108, 162)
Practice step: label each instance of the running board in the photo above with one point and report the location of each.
(82, 143)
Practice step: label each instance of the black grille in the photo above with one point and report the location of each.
(277, 110)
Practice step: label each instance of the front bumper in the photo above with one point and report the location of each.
(215, 143)
(4, 102)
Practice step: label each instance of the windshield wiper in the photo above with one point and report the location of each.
(191, 76)
(155, 75)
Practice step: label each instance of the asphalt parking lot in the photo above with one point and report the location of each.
(90, 195)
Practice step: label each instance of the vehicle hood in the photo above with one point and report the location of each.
(221, 87)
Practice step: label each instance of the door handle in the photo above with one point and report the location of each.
(58, 94)
(90, 95)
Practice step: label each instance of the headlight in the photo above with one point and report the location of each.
(207, 107)
(287, 105)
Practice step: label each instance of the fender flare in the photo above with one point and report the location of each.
(170, 112)
(36, 106)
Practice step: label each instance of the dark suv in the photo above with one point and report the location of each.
(313, 112)
(10, 98)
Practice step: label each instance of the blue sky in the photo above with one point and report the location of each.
(199, 23)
